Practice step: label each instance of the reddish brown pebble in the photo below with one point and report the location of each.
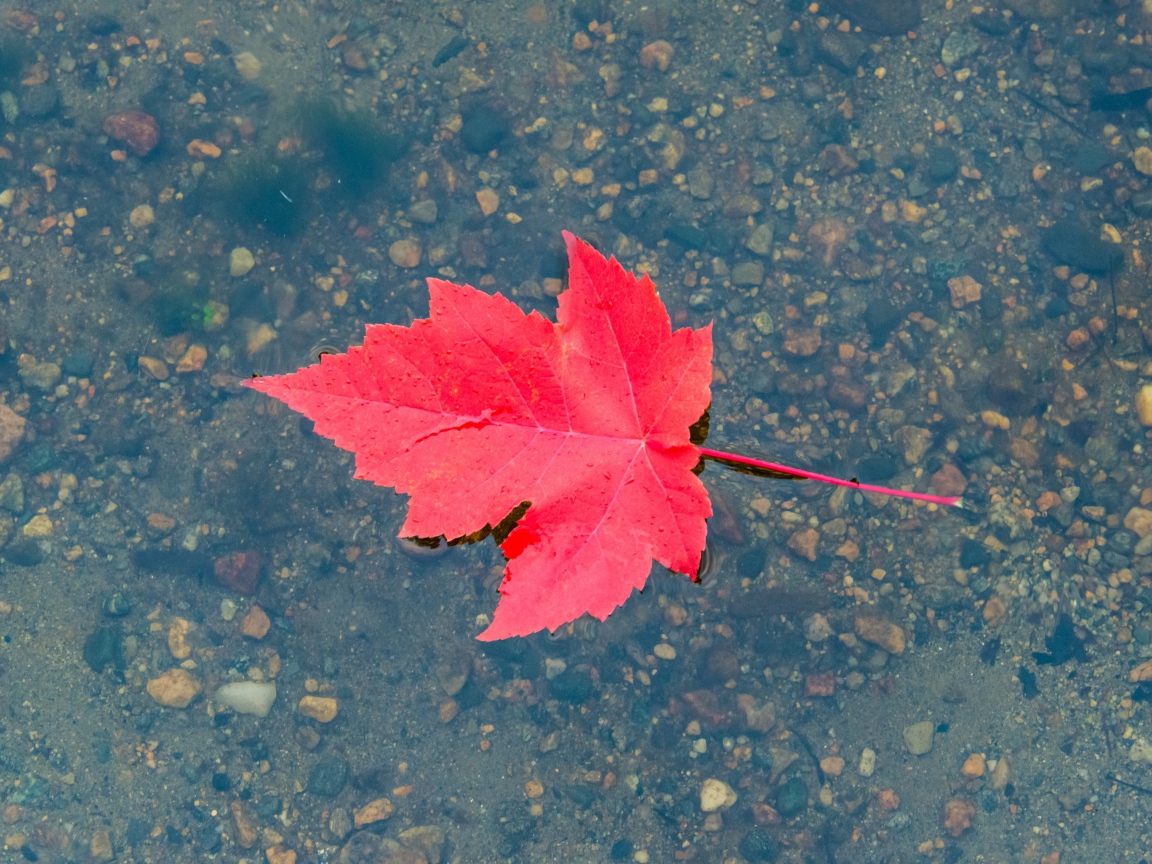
(135, 129)
(255, 624)
(888, 800)
(879, 632)
(958, 815)
(765, 814)
(822, 684)
(828, 237)
(239, 571)
(706, 706)
(1078, 338)
(949, 481)
(805, 543)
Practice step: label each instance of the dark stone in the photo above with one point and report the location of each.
(102, 649)
(1092, 157)
(221, 782)
(117, 606)
(621, 850)
(758, 845)
(239, 571)
(942, 164)
(1013, 389)
(581, 796)
(1078, 245)
(992, 22)
(26, 553)
(688, 236)
(1028, 682)
(881, 317)
(102, 25)
(584, 12)
(571, 686)
(210, 839)
(39, 103)
(1063, 645)
(484, 128)
(792, 798)
(454, 47)
(973, 553)
(78, 365)
(328, 777)
(842, 50)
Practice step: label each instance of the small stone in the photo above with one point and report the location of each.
(949, 481)
(320, 708)
(748, 273)
(820, 684)
(247, 697)
(805, 543)
(141, 216)
(178, 638)
(100, 849)
(1144, 405)
(428, 840)
(664, 651)
(247, 65)
(11, 434)
(192, 360)
(534, 789)
(1140, 751)
(716, 795)
(888, 800)
(138, 131)
(833, 766)
(802, 341)
(867, 763)
(175, 688)
(488, 200)
(964, 290)
(42, 376)
(279, 854)
(246, 831)
(373, 811)
(327, 777)
(1139, 521)
(255, 624)
(995, 611)
(405, 253)
(741, 206)
(958, 815)
(1024, 452)
(827, 238)
(155, 368)
(38, 526)
(239, 571)
(1078, 338)
(915, 440)
(449, 708)
(340, 823)
(658, 54)
(759, 717)
(1142, 159)
(880, 632)
(973, 766)
(817, 628)
(424, 211)
(918, 737)
(760, 240)
(240, 261)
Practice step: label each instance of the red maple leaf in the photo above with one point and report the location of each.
(479, 409)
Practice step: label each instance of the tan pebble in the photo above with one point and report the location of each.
(973, 766)
(193, 359)
(373, 811)
(255, 624)
(175, 688)
(1048, 500)
(449, 708)
(142, 216)
(278, 854)
(157, 369)
(240, 261)
(1079, 393)
(100, 849)
(1000, 773)
(1139, 521)
(880, 632)
(1144, 405)
(910, 211)
(802, 341)
(995, 611)
(580, 41)
(995, 420)
(849, 550)
(11, 431)
(1078, 338)
(675, 615)
(248, 65)
(161, 522)
(716, 795)
(583, 177)
(534, 789)
(658, 54)
(664, 651)
(1143, 672)
(833, 766)
(246, 831)
(321, 708)
(1024, 452)
(888, 800)
(1142, 159)
(488, 200)
(38, 526)
(258, 337)
(405, 253)
(958, 815)
(178, 638)
(964, 290)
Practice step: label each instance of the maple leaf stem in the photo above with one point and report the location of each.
(787, 471)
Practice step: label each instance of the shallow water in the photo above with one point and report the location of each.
(924, 254)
